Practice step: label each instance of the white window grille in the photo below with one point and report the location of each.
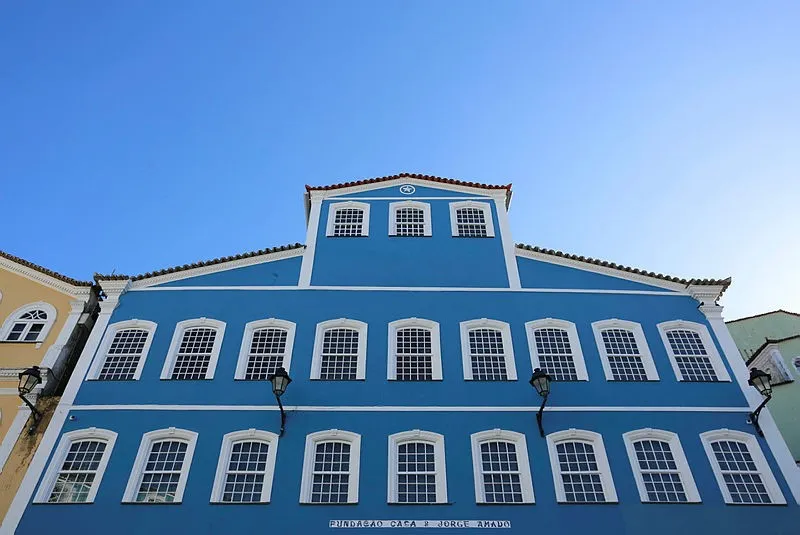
(30, 323)
(348, 219)
(500, 467)
(266, 346)
(123, 351)
(161, 467)
(417, 473)
(623, 351)
(194, 350)
(471, 219)
(555, 348)
(692, 352)
(409, 218)
(414, 350)
(246, 467)
(487, 351)
(340, 350)
(660, 467)
(580, 467)
(331, 467)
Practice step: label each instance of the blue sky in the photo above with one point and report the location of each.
(664, 135)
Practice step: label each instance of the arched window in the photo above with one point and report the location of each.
(194, 350)
(500, 467)
(740, 467)
(660, 467)
(414, 351)
(471, 219)
(348, 219)
(123, 351)
(623, 351)
(77, 467)
(486, 350)
(555, 348)
(692, 352)
(161, 467)
(30, 323)
(417, 472)
(580, 467)
(331, 467)
(409, 218)
(246, 467)
(796, 362)
(266, 346)
(340, 350)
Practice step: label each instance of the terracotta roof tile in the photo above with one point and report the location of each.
(429, 178)
(51, 273)
(185, 267)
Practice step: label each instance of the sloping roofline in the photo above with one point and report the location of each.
(768, 342)
(764, 314)
(53, 278)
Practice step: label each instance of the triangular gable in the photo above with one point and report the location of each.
(47, 277)
(401, 189)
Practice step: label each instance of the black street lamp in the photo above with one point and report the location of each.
(761, 381)
(28, 380)
(541, 382)
(280, 380)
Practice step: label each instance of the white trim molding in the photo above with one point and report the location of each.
(60, 455)
(177, 337)
(108, 338)
(508, 346)
(762, 466)
(440, 469)
(641, 343)
(426, 216)
(249, 330)
(523, 465)
(228, 442)
(334, 207)
(14, 317)
(354, 463)
(405, 179)
(710, 348)
(341, 323)
(681, 464)
(80, 292)
(436, 351)
(312, 231)
(148, 440)
(485, 207)
(574, 344)
(595, 440)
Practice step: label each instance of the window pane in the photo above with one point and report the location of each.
(162, 472)
(740, 473)
(580, 474)
(471, 222)
(623, 355)
(487, 355)
(339, 359)
(348, 222)
(414, 355)
(194, 354)
(266, 355)
(691, 356)
(501, 478)
(331, 473)
(660, 474)
(247, 467)
(416, 473)
(410, 222)
(123, 355)
(78, 472)
(555, 354)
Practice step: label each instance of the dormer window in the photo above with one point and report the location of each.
(348, 219)
(471, 219)
(410, 219)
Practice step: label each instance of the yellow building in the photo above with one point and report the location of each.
(45, 319)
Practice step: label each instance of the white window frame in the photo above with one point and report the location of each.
(108, 338)
(360, 326)
(426, 214)
(250, 328)
(596, 439)
(770, 483)
(336, 206)
(436, 348)
(57, 462)
(135, 479)
(796, 365)
(708, 344)
(682, 465)
(177, 336)
(521, 446)
(331, 435)
(508, 346)
(574, 342)
(641, 342)
(247, 435)
(417, 435)
(14, 317)
(480, 205)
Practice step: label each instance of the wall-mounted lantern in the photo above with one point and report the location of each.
(280, 380)
(761, 381)
(541, 382)
(28, 380)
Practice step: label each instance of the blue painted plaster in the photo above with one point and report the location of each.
(538, 274)
(284, 272)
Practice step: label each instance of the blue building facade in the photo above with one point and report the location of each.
(410, 323)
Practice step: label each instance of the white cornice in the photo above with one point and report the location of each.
(44, 279)
(484, 192)
(216, 268)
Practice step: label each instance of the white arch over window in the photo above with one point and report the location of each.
(796, 363)
(410, 218)
(348, 219)
(414, 343)
(194, 350)
(331, 467)
(691, 351)
(471, 219)
(742, 471)
(123, 351)
(410, 483)
(247, 455)
(29, 323)
(340, 350)
(169, 453)
(660, 467)
(580, 467)
(500, 467)
(266, 346)
(77, 480)
(487, 352)
(555, 347)
(623, 350)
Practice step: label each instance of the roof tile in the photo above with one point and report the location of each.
(417, 176)
(40, 269)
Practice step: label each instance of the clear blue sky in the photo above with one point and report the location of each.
(664, 135)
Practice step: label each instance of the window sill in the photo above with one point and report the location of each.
(419, 504)
(62, 503)
(151, 503)
(20, 342)
(588, 503)
(313, 504)
(513, 504)
(238, 503)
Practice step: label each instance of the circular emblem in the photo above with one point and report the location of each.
(407, 189)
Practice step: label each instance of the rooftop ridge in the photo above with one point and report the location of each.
(44, 270)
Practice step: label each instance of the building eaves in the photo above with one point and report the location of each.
(100, 277)
(44, 270)
(767, 342)
(764, 314)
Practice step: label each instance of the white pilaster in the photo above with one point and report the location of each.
(508, 242)
(14, 431)
(311, 243)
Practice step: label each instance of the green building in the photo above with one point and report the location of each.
(771, 342)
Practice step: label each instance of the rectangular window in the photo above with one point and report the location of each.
(409, 222)
(348, 222)
(162, 472)
(244, 480)
(416, 473)
(580, 474)
(78, 472)
(194, 354)
(339, 358)
(266, 353)
(691, 356)
(660, 473)
(740, 473)
(414, 355)
(487, 355)
(555, 354)
(122, 358)
(331, 473)
(501, 474)
(471, 222)
(623, 355)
